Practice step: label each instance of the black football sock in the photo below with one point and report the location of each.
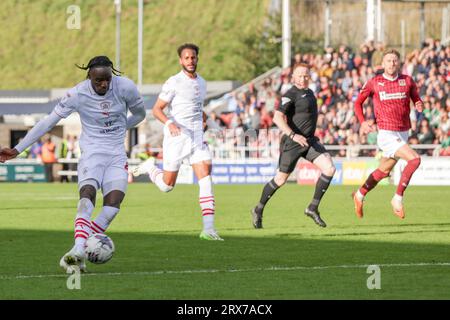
(268, 191)
(321, 187)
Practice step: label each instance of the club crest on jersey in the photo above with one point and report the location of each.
(105, 106)
(402, 82)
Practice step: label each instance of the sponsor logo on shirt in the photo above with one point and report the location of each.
(109, 130)
(392, 96)
(381, 84)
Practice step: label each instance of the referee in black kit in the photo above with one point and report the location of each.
(297, 118)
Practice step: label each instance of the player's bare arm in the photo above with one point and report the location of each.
(281, 121)
(159, 114)
(41, 128)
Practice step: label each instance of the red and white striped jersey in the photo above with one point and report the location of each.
(391, 100)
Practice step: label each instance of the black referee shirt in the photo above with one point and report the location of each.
(300, 108)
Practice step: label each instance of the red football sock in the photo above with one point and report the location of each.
(407, 173)
(372, 181)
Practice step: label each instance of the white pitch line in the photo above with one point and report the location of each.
(164, 272)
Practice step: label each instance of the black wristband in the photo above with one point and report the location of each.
(291, 135)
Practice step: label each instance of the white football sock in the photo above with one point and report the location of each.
(206, 200)
(359, 195)
(156, 176)
(104, 219)
(82, 222)
(398, 197)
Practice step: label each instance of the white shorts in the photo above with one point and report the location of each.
(183, 147)
(390, 141)
(105, 171)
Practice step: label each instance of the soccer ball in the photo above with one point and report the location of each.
(99, 248)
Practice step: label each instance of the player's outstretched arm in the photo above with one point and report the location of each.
(41, 128)
(159, 114)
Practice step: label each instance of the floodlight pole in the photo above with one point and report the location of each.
(422, 22)
(140, 31)
(379, 22)
(370, 19)
(286, 33)
(118, 6)
(403, 36)
(445, 23)
(327, 24)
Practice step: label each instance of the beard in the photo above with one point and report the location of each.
(189, 71)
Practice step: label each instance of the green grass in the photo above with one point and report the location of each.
(159, 256)
(39, 52)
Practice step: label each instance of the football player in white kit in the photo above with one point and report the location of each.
(102, 101)
(184, 94)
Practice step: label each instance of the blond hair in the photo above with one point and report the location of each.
(391, 51)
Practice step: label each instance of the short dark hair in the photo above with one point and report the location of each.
(188, 46)
(99, 61)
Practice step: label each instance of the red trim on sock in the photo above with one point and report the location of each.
(212, 200)
(98, 227)
(82, 223)
(93, 228)
(82, 231)
(208, 214)
(81, 219)
(79, 235)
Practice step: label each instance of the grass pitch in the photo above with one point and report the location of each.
(159, 256)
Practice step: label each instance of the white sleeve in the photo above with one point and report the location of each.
(131, 94)
(137, 115)
(41, 128)
(68, 104)
(168, 91)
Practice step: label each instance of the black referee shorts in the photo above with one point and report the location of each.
(291, 151)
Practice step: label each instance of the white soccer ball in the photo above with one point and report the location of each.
(99, 248)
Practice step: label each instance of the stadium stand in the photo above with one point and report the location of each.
(337, 76)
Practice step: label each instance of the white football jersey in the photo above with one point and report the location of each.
(103, 118)
(186, 96)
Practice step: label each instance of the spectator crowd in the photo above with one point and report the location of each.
(337, 76)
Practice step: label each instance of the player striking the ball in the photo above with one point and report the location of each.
(102, 101)
(391, 93)
(184, 94)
